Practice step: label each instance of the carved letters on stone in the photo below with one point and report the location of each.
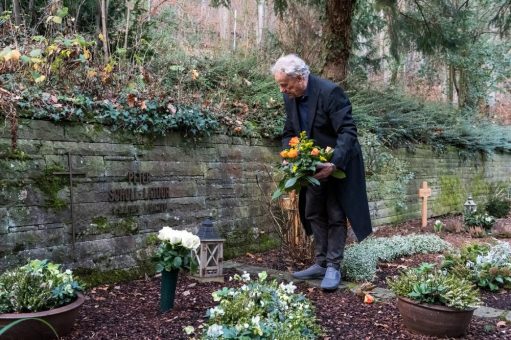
(136, 193)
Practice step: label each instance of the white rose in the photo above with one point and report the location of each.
(164, 233)
(176, 237)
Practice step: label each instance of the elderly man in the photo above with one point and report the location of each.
(323, 110)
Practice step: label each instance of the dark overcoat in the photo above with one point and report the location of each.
(330, 123)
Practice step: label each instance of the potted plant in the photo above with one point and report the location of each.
(433, 302)
(175, 252)
(37, 291)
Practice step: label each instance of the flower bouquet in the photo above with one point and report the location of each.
(299, 165)
(175, 252)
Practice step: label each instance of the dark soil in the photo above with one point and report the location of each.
(131, 310)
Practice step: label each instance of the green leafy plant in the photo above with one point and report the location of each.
(361, 260)
(299, 166)
(37, 286)
(261, 309)
(479, 220)
(176, 250)
(489, 267)
(498, 207)
(429, 285)
(438, 226)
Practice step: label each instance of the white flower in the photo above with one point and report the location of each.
(245, 276)
(170, 235)
(262, 276)
(438, 222)
(190, 240)
(213, 312)
(289, 288)
(189, 330)
(215, 331)
(255, 320)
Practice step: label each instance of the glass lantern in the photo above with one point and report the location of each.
(210, 255)
(470, 206)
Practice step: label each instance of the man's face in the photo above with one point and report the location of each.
(292, 86)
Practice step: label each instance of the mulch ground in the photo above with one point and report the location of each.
(131, 310)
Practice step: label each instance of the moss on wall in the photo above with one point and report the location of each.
(451, 195)
(93, 277)
(101, 225)
(50, 185)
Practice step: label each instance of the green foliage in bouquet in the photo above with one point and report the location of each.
(37, 286)
(261, 309)
(176, 250)
(299, 164)
(429, 285)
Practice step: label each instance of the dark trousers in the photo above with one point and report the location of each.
(328, 221)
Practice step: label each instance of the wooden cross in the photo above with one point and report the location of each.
(70, 173)
(424, 193)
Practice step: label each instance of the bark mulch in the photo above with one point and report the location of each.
(131, 310)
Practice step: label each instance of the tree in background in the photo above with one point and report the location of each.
(463, 35)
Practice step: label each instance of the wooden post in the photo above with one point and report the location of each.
(424, 193)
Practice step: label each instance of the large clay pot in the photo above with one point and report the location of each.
(435, 320)
(62, 319)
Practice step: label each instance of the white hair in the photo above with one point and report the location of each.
(291, 65)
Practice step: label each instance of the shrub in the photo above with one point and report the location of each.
(498, 207)
(489, 267)
(429, 285)
(479, 220)
(36, 286)
(261, 310)
(361, 259)
(476, 232)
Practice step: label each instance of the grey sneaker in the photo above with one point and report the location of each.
(313, 272)
(332, 279)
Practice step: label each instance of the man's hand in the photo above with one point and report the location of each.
(324, 170)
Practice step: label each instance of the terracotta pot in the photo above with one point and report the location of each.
(62, 319)
(436, 320)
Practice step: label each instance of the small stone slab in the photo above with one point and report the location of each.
(508, 316)
(383, 294)
(488, 312)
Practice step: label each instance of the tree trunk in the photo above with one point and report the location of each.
(337, 40)
(31, 13)
(450, 84)
(260, 22)
(17, 12)
(129, 7)
(224, 23)
(104, 15)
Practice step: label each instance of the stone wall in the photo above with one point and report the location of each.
(126, 187)
(452, 175)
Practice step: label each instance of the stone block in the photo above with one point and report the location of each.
(87, 133)
(38, 130)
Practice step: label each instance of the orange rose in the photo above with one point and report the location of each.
(283, 154)
(315, 152)
(293, 153)
(294, 141)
